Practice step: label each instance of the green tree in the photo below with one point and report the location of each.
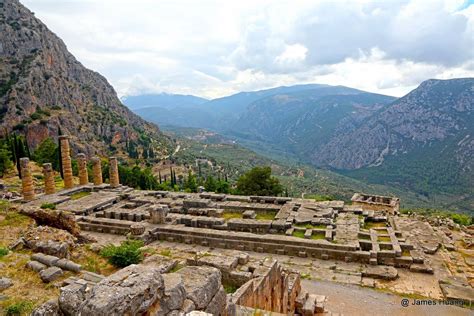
(259, 181)
(5, 158)
(210, 185)
(190, 185)
(47, 151)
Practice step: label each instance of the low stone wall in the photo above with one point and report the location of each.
(274, 291)
(277, 244)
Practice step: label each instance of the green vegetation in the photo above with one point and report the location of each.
(230, 214)
(259, 181)
(318, 236)
(369, 225)
(165, 252)
(298, 233)
(3, 251)
(229, 289)
(79, 195)
(5, 159)
(383, 239)
(406, 253)
(47, 152)
(266, 215)
(462, 219)
(127, 253)
(48, 206)
(311, 226)
(320, 197)
(19, 308)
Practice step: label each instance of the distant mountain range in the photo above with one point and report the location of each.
(423, 141)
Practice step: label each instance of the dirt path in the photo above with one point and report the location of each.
(356, 300)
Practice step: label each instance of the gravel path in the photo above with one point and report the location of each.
(356, 300)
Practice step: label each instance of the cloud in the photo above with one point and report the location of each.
(212, 48)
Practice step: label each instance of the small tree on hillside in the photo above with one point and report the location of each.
(258, 181)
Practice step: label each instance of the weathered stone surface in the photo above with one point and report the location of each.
(457, 292)
(45, 259)
(49, 308)
(27, 186)
(217, 305)
(71, 298)
(66, 161)
(162, 263)
(201, 284)
(35, 265)
(96, 171)
(175, 293)
(48, 173)
(5, 283)
(68, 265)
(380, 272)
(133, 290)
(50, 274)
(113, 172)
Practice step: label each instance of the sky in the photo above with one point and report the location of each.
(216, 48)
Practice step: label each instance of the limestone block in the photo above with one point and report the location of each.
(66, 161)
(28, 189)
(71, 298)
(49, 184)
(45, 259)
(49, 308)
(35, 265)
(201, 284)
(50, 274)
(133, 290)
(97, 171)
(114, 179)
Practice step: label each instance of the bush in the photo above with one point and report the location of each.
(259, 181)
(3, 252)
(20, 308)
(48, 206)
(124, 255)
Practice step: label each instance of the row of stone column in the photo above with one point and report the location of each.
(28, 189)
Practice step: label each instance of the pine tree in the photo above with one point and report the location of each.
(159, 175)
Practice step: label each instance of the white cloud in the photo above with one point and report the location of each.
(213, 48)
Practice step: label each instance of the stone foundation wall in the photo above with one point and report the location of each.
(275, 291)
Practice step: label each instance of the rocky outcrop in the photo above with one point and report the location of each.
(43, 87)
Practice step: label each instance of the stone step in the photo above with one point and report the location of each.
(101, 228)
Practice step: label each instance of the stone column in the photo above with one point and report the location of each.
(114, 179)
(49, 185)
(66, 161)
(28, 189)
(97, 171)
(82, 164)
(158, 214)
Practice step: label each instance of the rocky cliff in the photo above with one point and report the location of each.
(43, 87)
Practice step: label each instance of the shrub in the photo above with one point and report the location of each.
(127, 253)
(49, 206)
(19, 308)
(3, 251)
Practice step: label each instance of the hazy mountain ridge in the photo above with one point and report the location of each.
(43, 87)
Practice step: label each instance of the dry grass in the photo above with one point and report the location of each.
(28, 290)
(383, 239)
(229, 215)
(79, 195)
(92, 261)
(267, 215)
(317, 236)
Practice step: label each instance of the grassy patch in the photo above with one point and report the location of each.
(310, 226)
(3, 251)
(176, 268)
(463, 219)
(19, 308)
(305, 276)
(267, 215)
(165, 252)
(383, 239)
(369, 225)
(15, 219)
(406, 253)
(229, 289)
(298, 233)
(49, 206)
(318, 236)
(364, 237)
(79, 195)
(319, 197)
(229, 215)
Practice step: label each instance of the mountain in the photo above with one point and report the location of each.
(43, 87)
(217, 114)
(162, 100)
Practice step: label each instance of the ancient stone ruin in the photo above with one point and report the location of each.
(368, 232)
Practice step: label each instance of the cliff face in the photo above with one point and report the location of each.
(437, 112)
(43, 87)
